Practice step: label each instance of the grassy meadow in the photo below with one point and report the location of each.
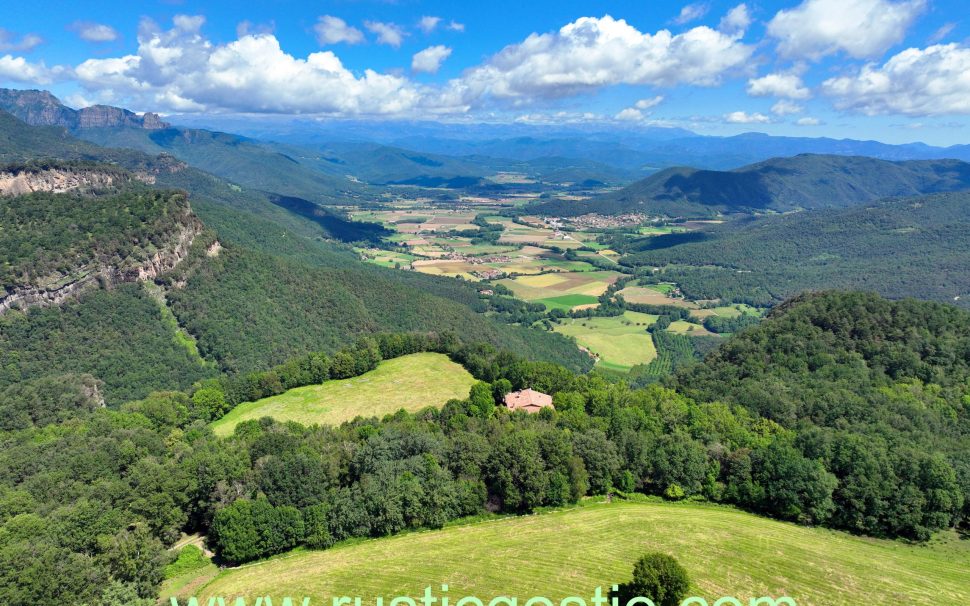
(621, 342)
(570, 552)
(410, 382)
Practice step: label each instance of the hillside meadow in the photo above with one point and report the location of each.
(570, 552)
(410, 382)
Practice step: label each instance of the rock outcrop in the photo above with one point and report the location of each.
(57, 180)
(57, 289)
(40, 108)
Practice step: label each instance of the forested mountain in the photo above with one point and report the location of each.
(781, 184)
(382, 164)
(877, 391)
(911, 247)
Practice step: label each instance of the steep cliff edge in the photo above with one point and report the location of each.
(55, 246)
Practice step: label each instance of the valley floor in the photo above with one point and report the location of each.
(570, 552)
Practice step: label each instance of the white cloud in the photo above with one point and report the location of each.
(334, 30)
(860, 28)
(428, 24)
(630, 114)
(785, 107)
(18, 69)
(181, 70)
(649, 103)
(916, 82)
(737, 20)
(595, 52)
(692, 12)
(945, 30)
(26, 43)
(94, 32)
(430, 59)
(746, 118)
(789, 86)
(455, 26)
(807, 121)
(387, 33)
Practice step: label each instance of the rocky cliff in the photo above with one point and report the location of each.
(59, 288)
(40, 108)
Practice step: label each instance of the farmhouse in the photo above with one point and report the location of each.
(528, 400)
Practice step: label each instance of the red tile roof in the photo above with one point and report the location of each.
(528, 400)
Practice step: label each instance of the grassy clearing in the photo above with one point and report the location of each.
(564, 553)
(621, 342)
(409, 382)
(568, 302)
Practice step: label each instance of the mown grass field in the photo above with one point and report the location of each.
(564, 553)
(410, 382)
(621, 342)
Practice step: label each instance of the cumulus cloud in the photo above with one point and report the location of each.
(387, 33)
(181, 70)
(26, 43)
(18, 69)
(789, 86)
(746, 118)
(630, 114)
(428, 24)
(738, 19)
(916, 82)
(94, 32)
(808, 121)
(860, 28)
(595, 52)
(455, 26)
(430, 59)
(785, 107)
(334, 30)
(692, 12)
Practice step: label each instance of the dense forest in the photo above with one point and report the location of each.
(872, 436)
(912, 247)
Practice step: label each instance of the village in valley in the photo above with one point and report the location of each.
(562, 263)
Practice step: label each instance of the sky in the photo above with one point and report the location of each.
(889, 70)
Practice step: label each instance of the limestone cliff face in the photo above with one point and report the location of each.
(56, 180)
(105, 116)
(59, 288)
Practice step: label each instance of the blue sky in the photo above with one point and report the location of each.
(891, 70)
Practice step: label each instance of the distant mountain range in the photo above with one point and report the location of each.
(806, 181)
(333, 171)
(634, 148)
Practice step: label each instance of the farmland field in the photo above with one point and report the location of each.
(620, 342)
(570, 552)
(653, 296)
(411, 382)
(549, 286)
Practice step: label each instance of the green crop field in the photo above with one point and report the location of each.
(621, 342)
(727, 553)
(567, 302)
(410, 382)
